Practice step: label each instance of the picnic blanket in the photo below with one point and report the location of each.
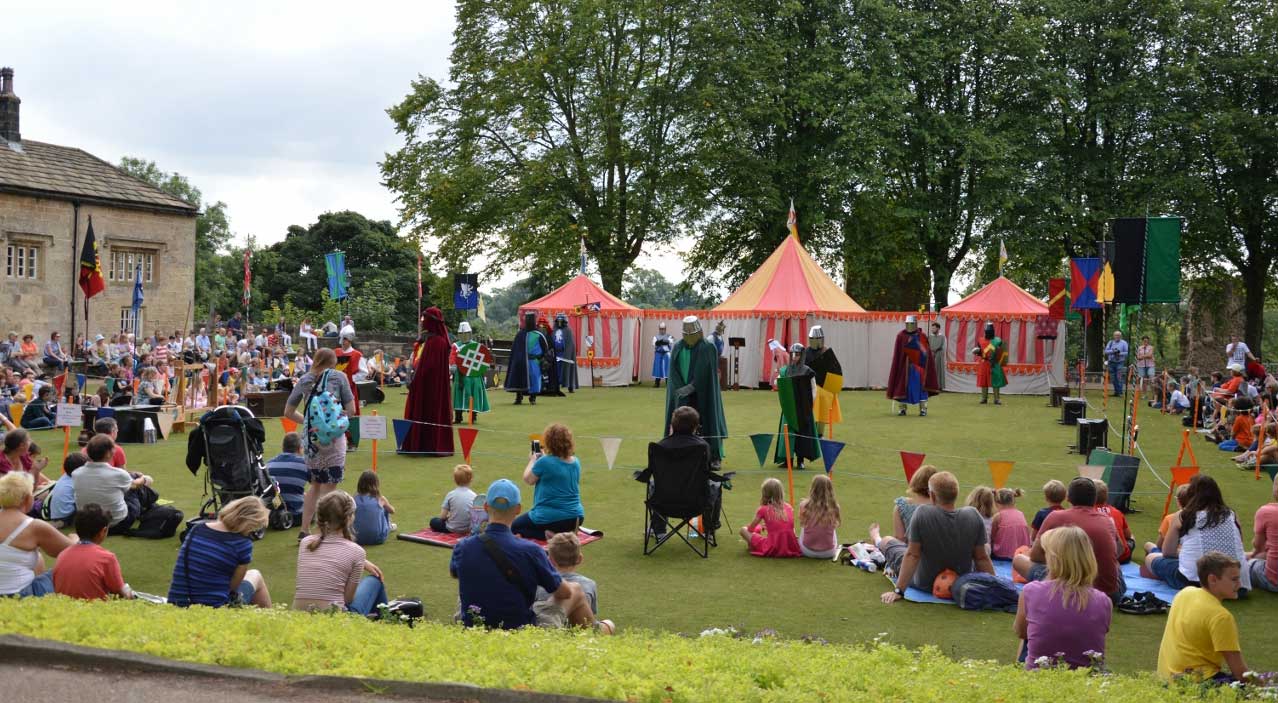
(449, 540)
(1131, 575)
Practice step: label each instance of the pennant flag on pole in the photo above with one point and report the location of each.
(335, 268)
(401, 428)
(1056, 298)
(999, 471)
(830, 452)
(110, 384)
(248, 277)
(288, 425)
(465, 291)
(466, 435)
(610, 447)
(1084, 275)
(58, 382)
(1002, 256)
(91, 280)
(762, 443)
(911, 461)
(792, 222)
(81, 380)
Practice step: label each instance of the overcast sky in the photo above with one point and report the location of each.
(276, 108)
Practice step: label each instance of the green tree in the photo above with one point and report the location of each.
(382, 267)
(786, 94)
(1222, 129)
(562, 120)
(212, 233)
(955, 138)
(648, 289)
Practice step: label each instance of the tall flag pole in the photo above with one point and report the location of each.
(1002, 256)
(138, 297)
(248, 278)
(792, 222)
(91, 280)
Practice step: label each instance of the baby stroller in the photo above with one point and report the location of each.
(228, 442)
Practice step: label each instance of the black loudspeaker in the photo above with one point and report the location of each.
(1092, 434)
(1073, 409)
(1058, 394)
(1122, 481)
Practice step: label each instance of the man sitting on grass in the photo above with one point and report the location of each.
(288, 469)
(498, 574)
(1201, 636)
(86, 570)
(1106, 544)
(941, 537)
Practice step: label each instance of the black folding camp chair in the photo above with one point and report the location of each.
(681, 489)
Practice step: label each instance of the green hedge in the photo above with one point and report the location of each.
(634, 666)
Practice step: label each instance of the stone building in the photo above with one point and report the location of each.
(48, 193)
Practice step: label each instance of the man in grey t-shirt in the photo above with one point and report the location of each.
(941, 537)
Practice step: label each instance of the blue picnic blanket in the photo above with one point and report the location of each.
(1131, 575)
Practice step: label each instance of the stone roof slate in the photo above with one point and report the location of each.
(50, 170)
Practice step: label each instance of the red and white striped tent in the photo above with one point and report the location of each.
(593, 312)
(1021, 321)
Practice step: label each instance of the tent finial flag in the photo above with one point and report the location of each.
(1002, 256)
(792, 222)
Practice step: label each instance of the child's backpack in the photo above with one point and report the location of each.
(478, 516)
(978, 590)
(325, 419)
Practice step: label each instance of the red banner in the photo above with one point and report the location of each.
(1056, 296)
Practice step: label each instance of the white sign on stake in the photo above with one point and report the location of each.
(69, 415)
(372, 427)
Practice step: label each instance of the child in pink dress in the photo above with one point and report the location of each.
(1008, 529)
(771, 533)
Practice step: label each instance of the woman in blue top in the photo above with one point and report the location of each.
(212, 563)
(556, 480)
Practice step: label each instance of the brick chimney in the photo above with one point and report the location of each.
(8, 107)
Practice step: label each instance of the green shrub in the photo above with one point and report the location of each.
(634, 666)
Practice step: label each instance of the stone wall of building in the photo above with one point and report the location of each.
(44, 303)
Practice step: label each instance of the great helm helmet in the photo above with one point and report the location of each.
(691, 330)
(816, 337)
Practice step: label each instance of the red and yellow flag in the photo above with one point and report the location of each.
(91, 281)
(792, 222)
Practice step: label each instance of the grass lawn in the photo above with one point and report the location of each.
(677, 591)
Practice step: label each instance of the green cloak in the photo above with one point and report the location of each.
(694, 381)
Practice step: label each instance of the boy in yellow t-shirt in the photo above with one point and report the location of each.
(1201, 637)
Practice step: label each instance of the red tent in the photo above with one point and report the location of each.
(612, 323)
(1034, 362)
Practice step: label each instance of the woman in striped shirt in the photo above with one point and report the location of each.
(212, 564)
(331, 569)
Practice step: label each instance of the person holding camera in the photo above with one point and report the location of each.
(1116, 357)
(556, 480)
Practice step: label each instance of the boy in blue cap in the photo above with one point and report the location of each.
(498, 574)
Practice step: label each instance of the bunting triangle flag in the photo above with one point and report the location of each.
(401, 428)
(911, 461)
(110, 384)
(80, 381)
(830, 453)
(58, 383)
(1272, 470)
(610, 447)
(999, 471)
(466, 435)
(762, 442)
(288, 425)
